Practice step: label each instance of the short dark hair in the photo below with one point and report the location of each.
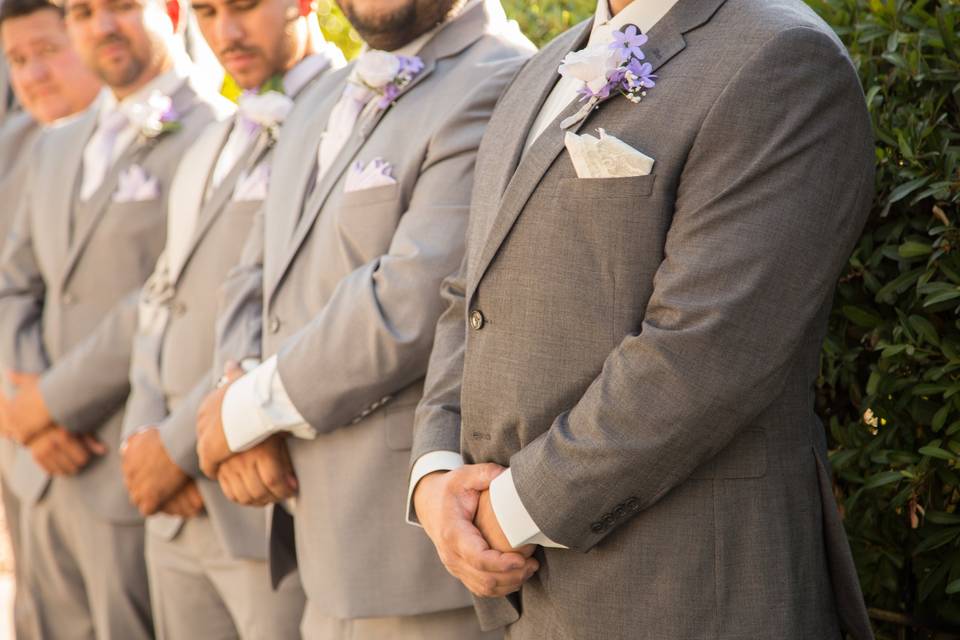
(21, 8)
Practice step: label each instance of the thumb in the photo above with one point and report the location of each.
(477, 477)
(93, 445)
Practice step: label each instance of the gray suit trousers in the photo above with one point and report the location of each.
(200, 591)
(86, 575)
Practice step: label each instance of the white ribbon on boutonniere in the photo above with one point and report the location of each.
(154, 117)
(605, 70)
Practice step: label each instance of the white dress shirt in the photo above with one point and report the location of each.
(513, 517)
(244, 131)
(100, 153)
(257, 405)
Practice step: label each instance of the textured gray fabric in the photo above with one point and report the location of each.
(350, 290)
(67, 309)
(198, 590)
(18, 132)
(646, 359)
(456, 624)
(86, 575)
(67, 296)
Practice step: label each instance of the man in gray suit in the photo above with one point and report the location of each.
(51, 83)
(349, 298)
(208, 573)
(627, 363)
(90, 228)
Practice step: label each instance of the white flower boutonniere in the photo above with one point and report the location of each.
(155, 117)
(385, 74)
(267, 110)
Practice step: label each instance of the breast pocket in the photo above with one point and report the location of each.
(600, 190)
(366, 221)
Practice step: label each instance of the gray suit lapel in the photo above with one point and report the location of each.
(68, 174)
(183, 100)
(665, 41)
(211, 209)
(453, 38)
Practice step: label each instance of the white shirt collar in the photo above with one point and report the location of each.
(643, 13)
(301, 73)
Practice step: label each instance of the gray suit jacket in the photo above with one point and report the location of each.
(18, 132)
(170, 368)
(350, 284)
(641, 351)
(68, 284)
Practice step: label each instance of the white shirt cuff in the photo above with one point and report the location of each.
(513, 517)
(256, 406)
(427, 464)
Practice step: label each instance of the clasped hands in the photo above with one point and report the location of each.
(25, 418)
(255, 477)
(455, 510)
(154, 481)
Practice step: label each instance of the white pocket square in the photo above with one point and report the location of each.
(135, 185)
(377, 173)
(253, 186)
(605, 157)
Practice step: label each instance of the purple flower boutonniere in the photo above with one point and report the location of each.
(385, 75)
(605, 70)
(155, 117)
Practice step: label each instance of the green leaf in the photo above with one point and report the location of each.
(936, 452)
(953, 587)
(937, 540)
(881, 479)
(862, 317)
(914, 249)
(941, 517)
(905, 189)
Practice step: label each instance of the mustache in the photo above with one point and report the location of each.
(238, 49)
(113, 38)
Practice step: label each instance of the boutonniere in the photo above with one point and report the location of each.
(267, 108)
(385, 74)
(155, 117)
(606, 70)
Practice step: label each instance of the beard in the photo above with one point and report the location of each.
(391, 30)
(118, 75)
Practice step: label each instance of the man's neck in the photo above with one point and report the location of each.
(145, 78)
(616, 6)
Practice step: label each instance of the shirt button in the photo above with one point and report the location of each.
(68, 299)
(274, 325)
(179, 308)
(477, 320)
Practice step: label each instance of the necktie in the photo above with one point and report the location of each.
(244, 130)
(98, 155)
(343, 117)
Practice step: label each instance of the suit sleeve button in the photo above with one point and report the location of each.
(477, 320)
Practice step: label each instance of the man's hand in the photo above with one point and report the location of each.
(151, 476)
(61, 453)
(446, 505)
(212, 447)
(486, 521)
(186, 503)
(261, 475)
(26, 414)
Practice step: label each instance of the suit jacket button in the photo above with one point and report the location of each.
(620, 511)
(477, 320)
(597, 527)
(68, 299)
(274, 325)
(632, 504)
(179, 308)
